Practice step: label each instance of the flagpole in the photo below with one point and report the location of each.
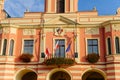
(42, 33)
(75, 35)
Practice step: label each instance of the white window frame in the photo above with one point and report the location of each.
(23, 45)
(98, 45)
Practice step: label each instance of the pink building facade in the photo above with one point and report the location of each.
(59, 33)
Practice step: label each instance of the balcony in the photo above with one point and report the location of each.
(59, 61)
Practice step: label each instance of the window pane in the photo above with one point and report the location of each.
(62, 52)
(89, 42)
(89, 49)
(95, 42)
(95, 49)
(57, 52)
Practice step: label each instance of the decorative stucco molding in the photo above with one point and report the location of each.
(13, 30)
(6, 30)
(107, 29)
(116, 27)
(92, 31)
(29, 31)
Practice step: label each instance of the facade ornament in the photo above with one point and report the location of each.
(28, 31)
(107, 29)
(94, 8)
(6, 30)
(92, 31)
(27, 10)
(116, 27)
(118, 11)
(59, 31)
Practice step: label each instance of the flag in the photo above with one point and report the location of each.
(56, 46)
(47, 52)
(68, 48)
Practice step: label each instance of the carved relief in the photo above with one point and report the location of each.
(116, 27)
(28, 31)
(92, 30)
(6, 30)
(13, 30)
(107, 29)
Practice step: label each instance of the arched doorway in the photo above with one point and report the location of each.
(92, 75)
(29, 76)
(25, 74)
(60, 75)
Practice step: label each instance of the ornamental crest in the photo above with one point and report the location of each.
(59, 31)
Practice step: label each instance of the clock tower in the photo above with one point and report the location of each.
(61, 6)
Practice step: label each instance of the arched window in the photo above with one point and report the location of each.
(4, 47)
(109, 46)
(117, 45)
(11, 48)
(60, 6)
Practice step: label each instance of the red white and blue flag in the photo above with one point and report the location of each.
(68, 48)
(56, 46)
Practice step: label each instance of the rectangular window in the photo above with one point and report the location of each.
(28, 46)
(92, 45)
(60, 51)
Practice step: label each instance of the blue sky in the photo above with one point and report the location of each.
(16, 8)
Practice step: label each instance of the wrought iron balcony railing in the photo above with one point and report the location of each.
(59, 61)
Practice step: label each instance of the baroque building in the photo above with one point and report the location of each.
(66, 44)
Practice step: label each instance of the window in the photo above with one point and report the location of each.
(28, 46)
(11, 48)
(60, 51)
(92, 45)
(4, 47)
(109, 45)
(60, 6)
(117, 45)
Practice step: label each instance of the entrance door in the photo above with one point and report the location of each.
(60, 75)
(30, 76)
(92, 76)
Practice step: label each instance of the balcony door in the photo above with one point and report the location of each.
(60, 50)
